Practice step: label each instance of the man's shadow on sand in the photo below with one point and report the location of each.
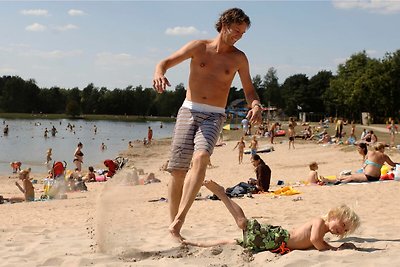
(366, 240)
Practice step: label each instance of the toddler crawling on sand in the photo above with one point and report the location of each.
(339, 221)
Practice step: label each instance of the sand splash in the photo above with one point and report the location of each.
(123, 228)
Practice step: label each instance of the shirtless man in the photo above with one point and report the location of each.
(213, 65)
(272, 132)
(339, 221)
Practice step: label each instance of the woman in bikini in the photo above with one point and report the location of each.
(372, 166)
(78, 157)
(362, 149)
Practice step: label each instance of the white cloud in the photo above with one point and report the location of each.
(5, 49)
(76, 12)
(57, 54)
(35, 12)
(12, 48)
(108, 60)
(180, 30)
(373, 6)
(372, 53)
(341, 60)
(7, 70)
(35, 27)
(66, 27)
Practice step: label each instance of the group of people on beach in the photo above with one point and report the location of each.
(76, 177)
(372, 163)
(214, 63)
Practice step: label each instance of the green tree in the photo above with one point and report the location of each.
(52, 100)
(272, 93)
(89, 99)
(358, 87)
(258, 86)
(294, 91)
(317, 86)
(391, 81)
(19, 95)
(73, 103)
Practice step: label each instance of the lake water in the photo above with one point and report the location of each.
(26, 143)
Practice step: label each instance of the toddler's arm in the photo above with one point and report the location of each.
(20, 187)
(318, 232)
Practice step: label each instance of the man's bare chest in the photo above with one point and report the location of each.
(215, 64)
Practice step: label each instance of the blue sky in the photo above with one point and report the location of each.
(117, 44)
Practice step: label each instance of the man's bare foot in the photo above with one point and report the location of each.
(175, 229)
(217, 189)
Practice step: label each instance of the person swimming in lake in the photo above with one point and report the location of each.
(340, 221)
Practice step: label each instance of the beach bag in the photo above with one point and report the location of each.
(240, 189)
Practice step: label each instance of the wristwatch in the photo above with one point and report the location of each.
(259, 105)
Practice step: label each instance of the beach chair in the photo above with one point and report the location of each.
(114, 165)
(55, 185)
(121, 161)
(58, 169)
(111, 166)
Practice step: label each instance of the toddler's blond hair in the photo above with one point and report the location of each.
(346, 215)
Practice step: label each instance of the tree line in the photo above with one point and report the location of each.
(361, 84)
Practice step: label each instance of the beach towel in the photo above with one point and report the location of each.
(286, 191)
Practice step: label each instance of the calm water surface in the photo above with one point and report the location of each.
(26, 143)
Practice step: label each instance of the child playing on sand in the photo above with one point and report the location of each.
(253, 145)
(339, 221)
(240, 145)
(26, 188)
(291, 132)
(48, 158)
(90, 176)
(314, 177)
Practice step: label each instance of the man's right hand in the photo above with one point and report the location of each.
(160, 83)
(254, 116)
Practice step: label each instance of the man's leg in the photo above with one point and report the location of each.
(233, 208)
(191, 187)
(175, 188)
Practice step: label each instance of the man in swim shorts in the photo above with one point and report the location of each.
(214, 63)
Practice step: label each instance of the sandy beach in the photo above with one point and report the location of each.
(116, 224)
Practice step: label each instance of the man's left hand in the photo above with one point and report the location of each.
(254, 115)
